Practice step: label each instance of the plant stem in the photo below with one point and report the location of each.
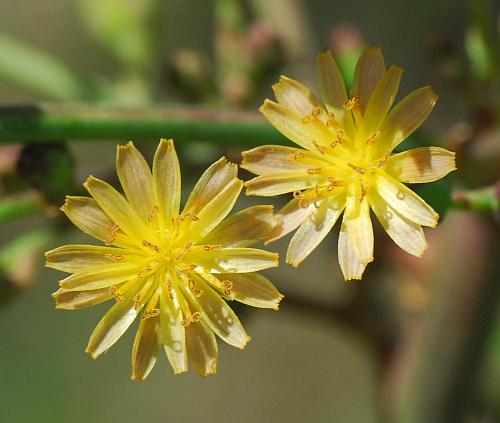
(71, 121)
(12, 208)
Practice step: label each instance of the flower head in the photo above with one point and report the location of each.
(346, 163)
(175, 269)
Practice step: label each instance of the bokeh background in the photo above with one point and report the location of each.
(418, 340)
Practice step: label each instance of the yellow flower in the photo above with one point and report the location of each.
(346, 164)
(176, 268)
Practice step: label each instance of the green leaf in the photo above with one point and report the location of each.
(38, 71)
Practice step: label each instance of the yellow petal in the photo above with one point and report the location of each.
(425, 164)
(276, 158)
(219, 316)
(231, 260)
(290, 217)
(281, 183)
(290, 124)
(408, 235)
(314, 229)
(243, 228)
(146, 347)
(214, 211)
(136, 180)
(405, 201)
(112, 326)
(167, 180)
(332, 89)
(406, 117)
(74, 300)
(172, 331)
(369, 69)
(351, 267)
(117, 208)
(359, 225)
(77, 258)
(210, 184)
(85, 214)
(102, 276)
(381, 100)
(202, 348)
(295, 96)
(252, 289)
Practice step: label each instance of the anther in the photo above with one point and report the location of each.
(227, 286)
(210, 247)
(298, 194)
(372, 137)
(152, 213)
(113, 257)
(384, 160)
(314, 171)
(332, 183)
(150, 245)
(303, 204)
(144, 272)
(320, 148)
(196, 317)
(358, 169)
(117, 294)
(352, 103)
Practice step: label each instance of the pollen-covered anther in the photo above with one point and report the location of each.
(320, 148)
(316, 111)
(148, 314)
(314, 171)
(153, 211)
(196, 317)
(304, 204)
(332, 183)
(119, 296)
(358, 169)
(114, 257)
(384, 160)
(227, 287)
(295, 157)
(148, 244)
(332, 121)
(210, 247)
(352, 103)
(112, 236)
(192, 216)
(298, 194)
(372, 137)
(144, 272)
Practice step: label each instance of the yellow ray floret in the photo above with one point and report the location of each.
(346, 165)
(175, 268)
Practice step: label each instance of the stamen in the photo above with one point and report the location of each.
(144, 271)
(113, 257)
(151, 310)
(314, 171)
(295, 157)
(150, 245)
(119, 293)
(332, 183)
(372, 137)
(210, 247)
(153, 211)
(112, 236)
(227, 286)
(298, 194)
(303, 204)
(192, 216)
(358, 169)
(320, 148)
(352, 103)
(384, 160)
(316, 111)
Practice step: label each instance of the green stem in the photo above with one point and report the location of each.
(483, 200)
(45, 122)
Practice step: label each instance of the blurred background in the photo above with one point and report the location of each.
(418, 340)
